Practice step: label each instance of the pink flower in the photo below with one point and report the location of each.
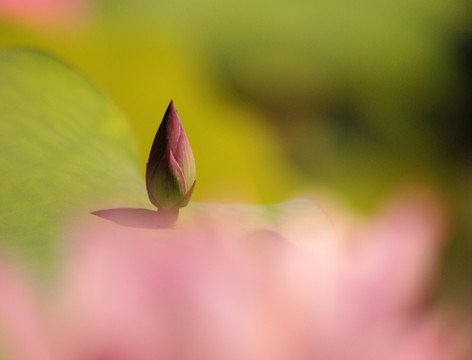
(44, 12)
(223, 287)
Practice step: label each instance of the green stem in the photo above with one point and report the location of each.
(166, 218)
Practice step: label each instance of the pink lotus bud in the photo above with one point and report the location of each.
(170, 172)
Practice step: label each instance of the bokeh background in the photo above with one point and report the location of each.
(287, 98)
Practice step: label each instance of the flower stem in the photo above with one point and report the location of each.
(166, 218)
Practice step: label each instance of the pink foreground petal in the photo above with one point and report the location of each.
(236, 285)
(21, 322)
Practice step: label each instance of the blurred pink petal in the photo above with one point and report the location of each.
(433, 338)
(45, 12)
(21, 322)
(234, 284)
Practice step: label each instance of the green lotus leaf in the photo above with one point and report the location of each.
(64, 148)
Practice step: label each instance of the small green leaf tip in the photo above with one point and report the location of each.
(170, 171)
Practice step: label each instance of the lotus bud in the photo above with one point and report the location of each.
(170, 171)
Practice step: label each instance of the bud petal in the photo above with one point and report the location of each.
(185, 200)
(184, 156)
(170, 172)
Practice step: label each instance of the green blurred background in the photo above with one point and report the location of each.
(287, 98)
